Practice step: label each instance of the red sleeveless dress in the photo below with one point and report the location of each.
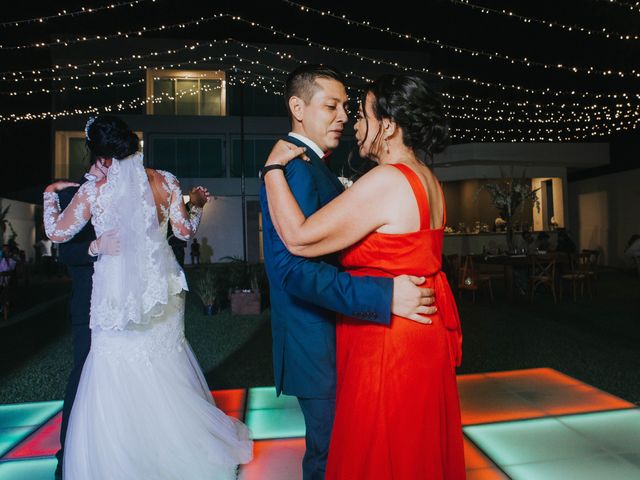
(397, 408)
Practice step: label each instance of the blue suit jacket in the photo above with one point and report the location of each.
(306, 293)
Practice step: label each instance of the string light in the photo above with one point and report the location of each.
(136, 33)
(74, 88)
(572, 113)
(578, 112)
(634, 7)
(99, 63)
(467, 134)
(426, 71)
(475, 53)
(76, 13)
(568, 28)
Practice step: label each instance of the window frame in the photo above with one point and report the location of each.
(156, 74)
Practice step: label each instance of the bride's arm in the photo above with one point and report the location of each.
(184, 224)
(62, 226)
(358, 211)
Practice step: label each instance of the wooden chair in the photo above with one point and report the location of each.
(543, 272)
(450, 265)
(488, 273)
(580, 264)
(593, 265)
(470, 279)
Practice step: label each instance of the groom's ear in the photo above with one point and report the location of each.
(296, 107)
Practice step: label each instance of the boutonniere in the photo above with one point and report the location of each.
(346, 183)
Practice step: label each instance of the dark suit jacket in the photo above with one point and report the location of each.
(75, 254)
(306, 293)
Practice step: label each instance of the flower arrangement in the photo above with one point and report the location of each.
(508, 196)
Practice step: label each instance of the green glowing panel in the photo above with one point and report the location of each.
(265, 397)
(617, 432)
(529, 441)
(38, 469)
(601, 467)
(9, 437)
(275, 423)
(27, 414)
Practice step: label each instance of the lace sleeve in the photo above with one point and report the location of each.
(184, 224)
(60, 226)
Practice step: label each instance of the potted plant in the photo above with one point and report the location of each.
(244, 294)
(206, 290)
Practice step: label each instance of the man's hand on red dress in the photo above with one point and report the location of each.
(411, 301)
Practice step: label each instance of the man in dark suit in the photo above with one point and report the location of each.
(75, 254)
(306, 293)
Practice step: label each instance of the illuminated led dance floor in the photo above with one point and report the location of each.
(533, 424)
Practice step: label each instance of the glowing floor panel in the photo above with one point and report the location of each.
(519, 425)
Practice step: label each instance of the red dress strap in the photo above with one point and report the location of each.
(420, 193)
(444, 207)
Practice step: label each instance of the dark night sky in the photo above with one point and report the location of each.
(26, 145)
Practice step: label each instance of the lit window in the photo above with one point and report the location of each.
(72, 155)
(184, 92)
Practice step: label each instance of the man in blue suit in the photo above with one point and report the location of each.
(306, 293)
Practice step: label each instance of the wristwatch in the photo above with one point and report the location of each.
(264, 170)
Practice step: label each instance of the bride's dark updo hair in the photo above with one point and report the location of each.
(415, 107)
(108, 136)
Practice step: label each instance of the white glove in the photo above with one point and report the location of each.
(106, 244)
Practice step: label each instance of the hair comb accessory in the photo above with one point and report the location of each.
(88, 125)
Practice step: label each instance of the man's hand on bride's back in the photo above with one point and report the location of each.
(412, 302)
(106, 244)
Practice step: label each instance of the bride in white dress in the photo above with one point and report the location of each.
(143, 410)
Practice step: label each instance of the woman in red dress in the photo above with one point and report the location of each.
(397, 407)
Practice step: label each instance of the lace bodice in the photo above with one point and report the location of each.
(62, 226)
(135, 286)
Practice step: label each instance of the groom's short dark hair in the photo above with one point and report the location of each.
(301, 82)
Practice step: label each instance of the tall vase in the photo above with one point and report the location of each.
(510, 242)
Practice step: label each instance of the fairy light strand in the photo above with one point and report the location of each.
(617, 122)
(578, 113)
(426, 71)
(132, 33)
(634, 7)
(474, 53)
(274, 31)
(547, 23)
(75, 13)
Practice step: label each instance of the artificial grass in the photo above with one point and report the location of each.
(596, 341)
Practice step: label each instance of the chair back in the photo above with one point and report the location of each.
(543, 266)
(581, 263)
(468, 275)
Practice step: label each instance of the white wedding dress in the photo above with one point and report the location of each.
(143, 410)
